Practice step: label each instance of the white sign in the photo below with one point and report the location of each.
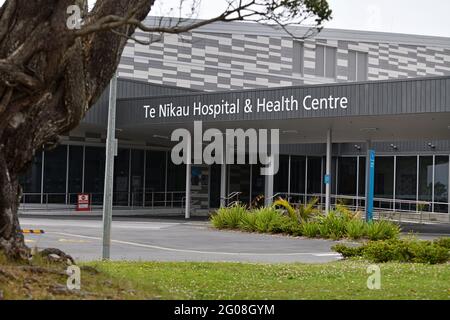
(248, 105)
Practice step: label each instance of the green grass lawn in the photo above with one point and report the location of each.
(338, 280)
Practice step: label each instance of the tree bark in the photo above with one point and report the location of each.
(11, 238)
(48, 80)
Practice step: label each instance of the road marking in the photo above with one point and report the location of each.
(330, 254)
(142, 245)
(29, 241)
(98, 224)
(73, 240)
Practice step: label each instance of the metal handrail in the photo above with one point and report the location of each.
(121, 199)
(336, 197)
(231, 195)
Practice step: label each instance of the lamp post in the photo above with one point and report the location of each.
(111, 151)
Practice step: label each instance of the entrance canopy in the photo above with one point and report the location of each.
(378, 111)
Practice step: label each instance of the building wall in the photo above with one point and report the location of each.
(214, 58)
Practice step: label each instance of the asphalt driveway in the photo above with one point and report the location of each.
(172, 240)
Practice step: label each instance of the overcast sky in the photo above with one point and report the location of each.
(426, 17)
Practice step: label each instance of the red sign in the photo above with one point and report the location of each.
(83, 202)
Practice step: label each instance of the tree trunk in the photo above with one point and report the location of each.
(11, 237)
(49, 78)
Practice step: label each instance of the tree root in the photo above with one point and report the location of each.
(56, 255)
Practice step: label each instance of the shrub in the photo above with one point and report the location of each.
(346, 212)
(356, 229)
(348, 252)
(269, 219)
(379, 251)
(333, 225)
(443, 242)
(301, 213)
(405, 250)
(310, 229)
(248, 222)
(428, 252)
(287, 206)
(229, 218)
(293, 228)
(309, 211)
(382, 230)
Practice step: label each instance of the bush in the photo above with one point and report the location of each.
(229, 218)
(348, 252)
(333, 225)
(248, 222)
(270, 220)
(306, 221)
(405, 250)
(430, 253)
(301, 213)
(443, 242)
(379, 251)
(382, 230)
(310, 229)
(356, 229)
(293, 228)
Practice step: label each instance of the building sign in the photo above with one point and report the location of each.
(371, 183)
(83, 202)
(246, 106)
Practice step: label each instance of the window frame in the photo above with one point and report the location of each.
(358, 53)
(324, 75)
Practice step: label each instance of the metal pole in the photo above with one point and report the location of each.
(187, 213)
(269, 177)
(328, 174)
(223, 181)
(109, 169)
(289, 178)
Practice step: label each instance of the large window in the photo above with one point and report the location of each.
(357, 65)
(384, 180)
(75, 182)
(298, 164)
(362, 177)
(94, 173)
(280, 184)
(214, 186)
(31, 180)
(239, 181)
(325, 61)
(121, 172)
(258, 182)
(155, 178)
(55, 171)
(298, 57)
(406, 182)
(314, 175)
(137, 177)
(347, 176)
(425, 178)
(441, 184)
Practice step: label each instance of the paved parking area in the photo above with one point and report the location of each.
(172, 240)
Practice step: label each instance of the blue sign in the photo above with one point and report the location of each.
(370, 191)
(326, 179)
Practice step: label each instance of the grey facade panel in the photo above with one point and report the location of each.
(393, 97)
